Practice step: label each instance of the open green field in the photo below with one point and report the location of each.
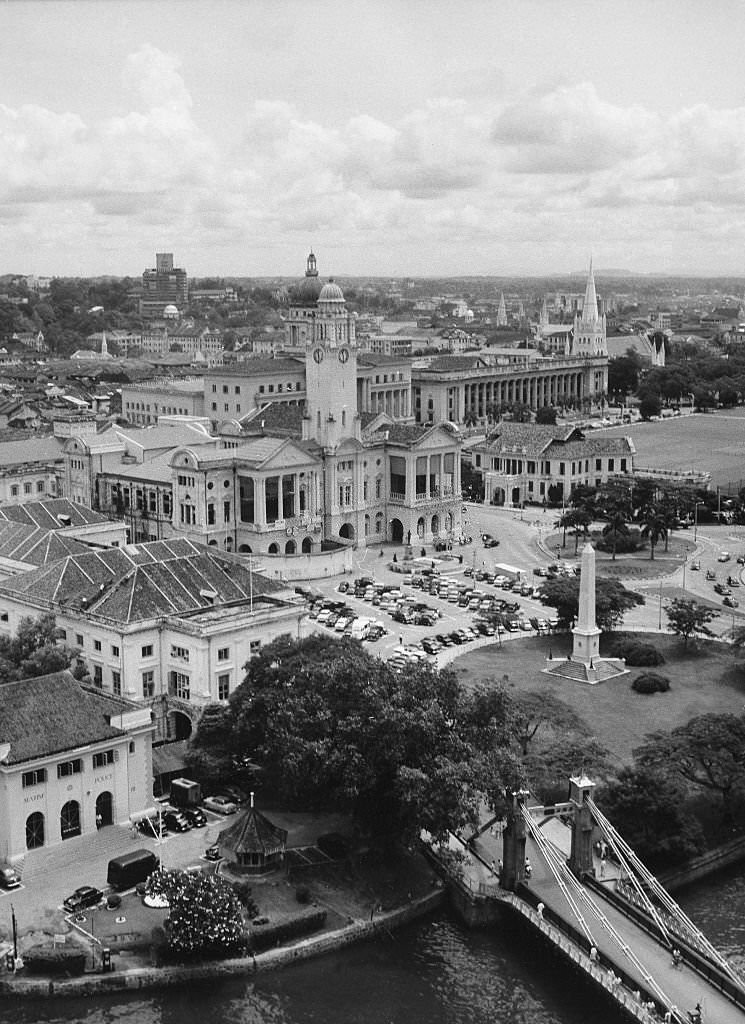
(712, 443)
(711, 680)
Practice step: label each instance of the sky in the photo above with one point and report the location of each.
(394, 137)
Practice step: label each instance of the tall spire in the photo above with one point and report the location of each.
(590, 308)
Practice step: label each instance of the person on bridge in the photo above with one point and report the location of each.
(677, 957)
(528, 868)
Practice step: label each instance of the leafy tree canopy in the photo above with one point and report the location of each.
(336, 728)
(34, 651)
(612, 600)
(647, 808)
(686, 618)
(707, 753)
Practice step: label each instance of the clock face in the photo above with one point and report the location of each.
(343, 355)
(318, 355)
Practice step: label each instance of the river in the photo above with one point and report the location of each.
(432, 972)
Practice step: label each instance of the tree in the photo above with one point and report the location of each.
(546, 416)
(612, 601)
(686, 618)
(548, 769)
(649, 406)
(529, 711)
(581, 520)
(615, 528)
(333, 727)
(623, 374)
(205, 913)
(654, 527)
(565, 522)
(707, 753)
(35, 650)
(647, 808)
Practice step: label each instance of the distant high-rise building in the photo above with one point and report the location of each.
(162, 286)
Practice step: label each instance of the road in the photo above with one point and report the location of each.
(523, 540)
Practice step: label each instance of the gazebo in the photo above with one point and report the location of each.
(252, 843)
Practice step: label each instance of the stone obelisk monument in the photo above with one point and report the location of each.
(585, 665)
(586, 646)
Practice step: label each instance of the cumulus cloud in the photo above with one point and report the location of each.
(490, 178)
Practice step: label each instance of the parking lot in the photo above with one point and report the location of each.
(429, 605)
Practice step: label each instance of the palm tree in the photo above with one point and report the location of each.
(565, 522)
(616, 527)
(654, 527)
(581, 525)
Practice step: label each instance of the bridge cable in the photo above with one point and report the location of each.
(664, 897)
(556, 862)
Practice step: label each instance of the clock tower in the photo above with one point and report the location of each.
(331, 372)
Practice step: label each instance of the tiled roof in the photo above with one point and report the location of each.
(280, 416)
(52, 714)
(46, 514)
(32, 450)
(139, 582)
(588, 448)
(379, 359)
(20, 542)
(249, 367)
(403, 433)
(256, 450)
(156, 470)
(534, 438)
(253, 833)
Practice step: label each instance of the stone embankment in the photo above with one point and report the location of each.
(162, 977)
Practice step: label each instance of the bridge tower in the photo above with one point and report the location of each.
(581, 790)
(513, 850)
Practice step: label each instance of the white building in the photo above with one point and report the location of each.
(72, 759)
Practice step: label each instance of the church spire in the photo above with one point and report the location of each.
(590, 308)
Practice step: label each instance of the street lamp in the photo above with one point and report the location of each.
(695, 519)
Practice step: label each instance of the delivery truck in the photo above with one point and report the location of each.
(185, 793)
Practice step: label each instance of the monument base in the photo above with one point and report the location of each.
(591, 672)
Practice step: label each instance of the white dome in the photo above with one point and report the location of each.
(331, 292)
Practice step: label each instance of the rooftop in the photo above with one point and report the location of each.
(54, 713)
(53, 514)
(255, 367)
(141, 582)
(31, 450)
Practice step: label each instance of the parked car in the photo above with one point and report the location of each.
(696, 564)
(730, 602)
(489, 541)
(212, 852)
(9, 879)
(84, 896)
(153, 827)
(175, 821)
(724, 556)
(220, 804)
(741, 559)
(195, 816)
(710, 574)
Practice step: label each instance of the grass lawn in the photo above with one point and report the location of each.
(634, 566)
(707, 681)
(714, 442)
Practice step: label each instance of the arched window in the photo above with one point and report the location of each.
(273, 549)
(290, 547)
(69, 819)
(34, 831)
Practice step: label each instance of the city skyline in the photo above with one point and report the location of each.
(509, 139)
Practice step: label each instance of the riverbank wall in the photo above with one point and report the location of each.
(708, 863)
(167, 976)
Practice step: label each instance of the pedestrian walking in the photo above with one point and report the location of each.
(540, 908)
(528, 868)
(99, 820)
(677, 957)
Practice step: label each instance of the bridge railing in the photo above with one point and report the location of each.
(639, 1003)
(692, 952)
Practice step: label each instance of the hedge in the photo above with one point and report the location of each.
(262, 936)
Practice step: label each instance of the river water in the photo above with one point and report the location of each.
(432, 972)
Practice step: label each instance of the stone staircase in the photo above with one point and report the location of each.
(110, 841)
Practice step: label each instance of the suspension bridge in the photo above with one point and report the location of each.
(567, 871)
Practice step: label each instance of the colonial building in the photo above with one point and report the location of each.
(528, 463)
(460, 388)
(168, 625)
(143, 404)
(307, 450)
(72, 760)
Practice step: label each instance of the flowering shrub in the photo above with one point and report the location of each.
(205, 915)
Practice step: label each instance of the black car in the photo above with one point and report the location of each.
(175, 821)
(212, 852)
(85, 896)
(195, 816)
(152, 827)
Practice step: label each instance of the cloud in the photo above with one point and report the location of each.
(504, 181)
